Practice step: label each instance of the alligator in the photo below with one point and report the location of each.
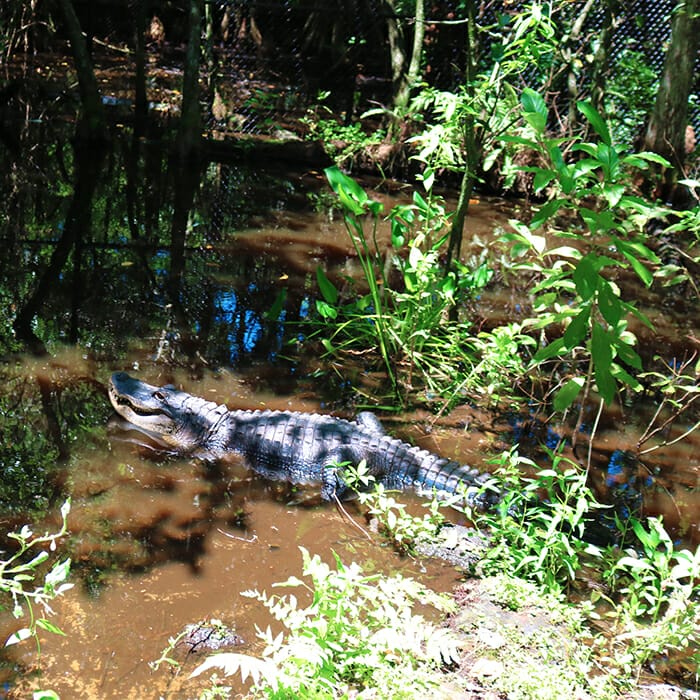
(300, 448)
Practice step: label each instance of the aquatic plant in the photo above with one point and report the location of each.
(409, 322)
(537, 529)
(16, 573)
(357, 632)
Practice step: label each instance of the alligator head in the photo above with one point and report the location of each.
(174, 418)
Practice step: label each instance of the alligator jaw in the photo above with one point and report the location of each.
(141, 405)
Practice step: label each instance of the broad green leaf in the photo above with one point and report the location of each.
(642, 272)
(596, 121)
(568, 393)
(628, 354)
(546, 212)
(601, 353)
(609, 303)
(577, 330)
(624, 377)
(609, 160)
(351, 195)
(586, 278)
(639, 248)
(328, 290)
(551, 350)
(542, 179)
(535, 109)
(585, 166)
(646, 156)
(613, 194)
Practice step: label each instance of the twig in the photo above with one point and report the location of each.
(250, 540)
(671, 442)
(352, 520)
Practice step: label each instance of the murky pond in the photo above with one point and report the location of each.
(117, 259)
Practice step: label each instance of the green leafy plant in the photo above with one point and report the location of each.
(392, 516)
(343, 142)
(16, 573)
(655, 590)
(408, 322)
(537, 527)
(357, 632)
(578, 287)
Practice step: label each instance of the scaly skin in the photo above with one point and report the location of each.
(296, 447)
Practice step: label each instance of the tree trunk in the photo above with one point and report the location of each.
(404, 80)
(397, 50)
(666, 130)
(189, 136)
(469, 140)
(601, 58)
(92, 125)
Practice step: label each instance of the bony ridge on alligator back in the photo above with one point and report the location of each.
(285, 445)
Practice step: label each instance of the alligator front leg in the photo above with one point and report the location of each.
(332, 484)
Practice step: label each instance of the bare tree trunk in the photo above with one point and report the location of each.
(469, 140)
(92, 125)
(397, 51)
(666, 130)
(601, 58)
(188, 137)
(403, 80)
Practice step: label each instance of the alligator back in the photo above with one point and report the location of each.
(303, 448)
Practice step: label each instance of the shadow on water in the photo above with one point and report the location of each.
(120, 258)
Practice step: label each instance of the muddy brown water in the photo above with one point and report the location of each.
(171, 280)
(157, 545)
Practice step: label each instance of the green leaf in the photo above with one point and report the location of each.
(642, 272)
(273, 313)
(609, 303)
(327, 288)
(577, 330)
(551, 350)
(351, 195)
(535, 109)
(639, 248)
(609, 160)
(622, 376)
(596, 121)
(646, 156)
(520, 141)
(542, 179)
(546, 212)
(601, 353)
(627, 354)
(398, 233)
(568, 393)
(45, 624)
(326, 310)
(613, 194)
(586, 278)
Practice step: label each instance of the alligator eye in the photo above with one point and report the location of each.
(159, 396)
